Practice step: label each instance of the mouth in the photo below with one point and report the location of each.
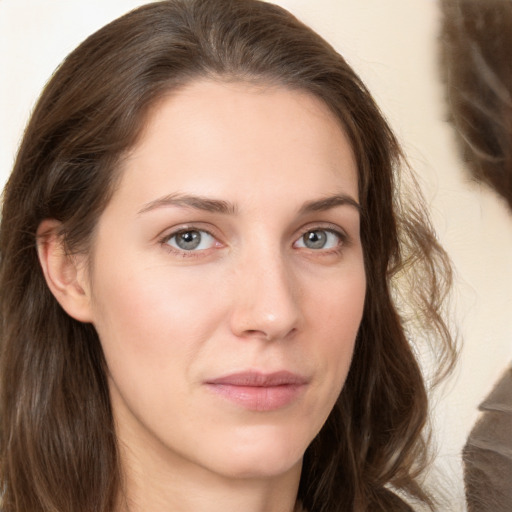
(257, 391)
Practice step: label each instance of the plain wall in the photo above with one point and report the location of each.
(393, 46)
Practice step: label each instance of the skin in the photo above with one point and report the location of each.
(253, 296)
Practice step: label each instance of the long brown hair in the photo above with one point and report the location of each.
(58, 446)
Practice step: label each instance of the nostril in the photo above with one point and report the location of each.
(253, 333)
(268, 335)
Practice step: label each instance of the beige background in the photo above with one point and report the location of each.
(392, 44)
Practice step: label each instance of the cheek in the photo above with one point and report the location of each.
(154, 331)
(152, 317)
(333, 315)
(338, 316)
(337, 307)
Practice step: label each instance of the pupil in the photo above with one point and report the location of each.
(315, 239)
(188, 240)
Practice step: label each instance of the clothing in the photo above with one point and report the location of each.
(398, 504)
(395, 504)
(487, 455)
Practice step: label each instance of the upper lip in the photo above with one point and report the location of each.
(260, 379)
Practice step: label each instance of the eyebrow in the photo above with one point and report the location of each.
(330, 202)
(191, 201)
(225, 207)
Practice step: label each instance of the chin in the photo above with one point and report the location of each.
(261, 455)
(259, 468)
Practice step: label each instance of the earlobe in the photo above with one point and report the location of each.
(65, 273)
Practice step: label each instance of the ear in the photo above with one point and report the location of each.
(65, 273)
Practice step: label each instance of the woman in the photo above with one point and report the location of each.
(198, 242)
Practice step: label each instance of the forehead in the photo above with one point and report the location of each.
(213, 136)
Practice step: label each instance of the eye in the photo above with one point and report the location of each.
(317, 239)
(191, 240)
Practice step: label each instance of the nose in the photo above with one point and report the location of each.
(266, 298)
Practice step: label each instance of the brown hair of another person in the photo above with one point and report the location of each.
(58, 444)
(476, 38)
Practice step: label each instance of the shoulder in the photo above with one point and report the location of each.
(487, 455)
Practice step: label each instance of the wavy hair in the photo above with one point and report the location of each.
(57, 440)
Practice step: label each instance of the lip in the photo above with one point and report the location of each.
(259, 391)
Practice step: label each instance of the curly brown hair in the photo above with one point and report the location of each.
(57, 439)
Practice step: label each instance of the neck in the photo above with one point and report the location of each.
(151, 484)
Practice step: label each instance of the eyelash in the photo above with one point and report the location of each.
(183, 252)
(341, 235)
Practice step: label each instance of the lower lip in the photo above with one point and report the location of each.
(259, 398)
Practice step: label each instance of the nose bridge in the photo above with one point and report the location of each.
(266, 301)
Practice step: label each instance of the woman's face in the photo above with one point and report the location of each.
(227, 279)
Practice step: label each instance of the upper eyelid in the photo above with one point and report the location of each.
(186, 230)
(168, 233)
(325, 226)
